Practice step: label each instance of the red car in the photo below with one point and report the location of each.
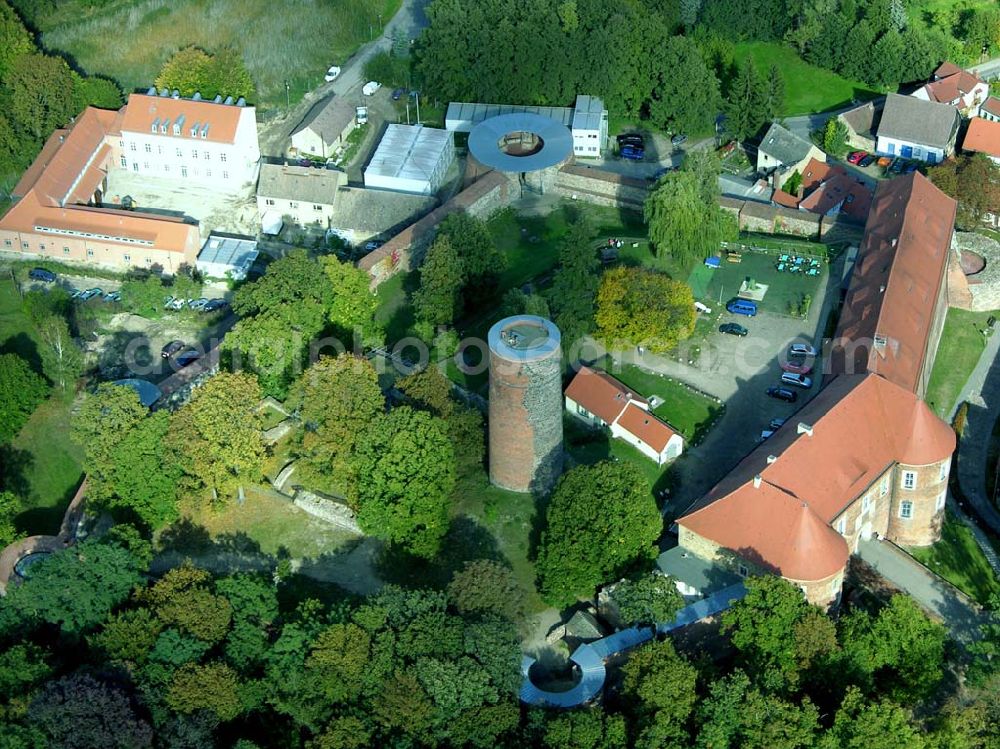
(855, 157)
(796, 366)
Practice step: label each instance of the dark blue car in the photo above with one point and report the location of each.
(632, 153)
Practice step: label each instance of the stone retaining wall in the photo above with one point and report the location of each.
(404, 251)
(602, 188)
(328, 509)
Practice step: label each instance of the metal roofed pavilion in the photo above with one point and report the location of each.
(484, 142)
(410, 158)
(224, 255)
(463, 116)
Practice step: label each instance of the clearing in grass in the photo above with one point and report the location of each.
(962, 342)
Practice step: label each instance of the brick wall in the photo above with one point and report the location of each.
(959, 294)
(404, 251)
(601, 187)
(923, 527)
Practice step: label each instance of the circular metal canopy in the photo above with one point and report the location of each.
(484, 139)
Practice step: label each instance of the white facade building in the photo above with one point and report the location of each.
(590, 126)
(207, 142)
(913, 128)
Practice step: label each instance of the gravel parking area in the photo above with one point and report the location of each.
(739, 371)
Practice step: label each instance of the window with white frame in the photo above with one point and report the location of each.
(208, 156)
(291, 203)
(132, 145)
(179, 153)
(124, 163)
(909, 480)
(222, 157)
(317, 207)
(906, 510)
(127, 258)
(90, 253)
(582, 411)
(884, 486)
(842, 526)
(184, 171)
(194, 153)
(225, 175)
(940, 500)
(149, 148)
(268, 201)
(866, 503)
(943, 470)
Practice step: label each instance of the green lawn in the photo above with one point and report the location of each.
(808, 88)
(958, 559)
(689, 412)
(716, 287)
(43, 465)
(957, 355)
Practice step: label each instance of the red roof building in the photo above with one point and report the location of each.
(983, 136)
(952, 85)
(600, 400)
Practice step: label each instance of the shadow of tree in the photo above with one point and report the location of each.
(24, 346)
(14, 467)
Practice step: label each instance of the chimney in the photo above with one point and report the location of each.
(804, 428)
(756, 481)
(771, 459)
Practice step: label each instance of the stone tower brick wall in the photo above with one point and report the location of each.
(923, 527)
(525, 410)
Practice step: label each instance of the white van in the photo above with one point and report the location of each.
(370, 88)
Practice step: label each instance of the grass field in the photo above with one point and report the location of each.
(959, 350)
(958, 559)
(293, 41)
(43, 466)
(716, 287)
(689, 412)
(808, 88)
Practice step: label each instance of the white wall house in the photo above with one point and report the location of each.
(781, 153)
(601, 401)
(916, 129)
(207, 142)
(325, 128)
(303, 194)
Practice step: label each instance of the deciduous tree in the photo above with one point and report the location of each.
(487, 587)
(10, 506)
(601, 519)
(636, 306)
(210, 686)
(352, 310)
(860, 724)
(409, 469)
(574, 284)
(441, 279)
(648, 600)
(62, 360)
(21, 390)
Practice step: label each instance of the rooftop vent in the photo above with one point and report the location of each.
(241, 102)
(175, 94)
(804, 428)
(197, 96)
(217, 99)
(152, 91)
(228, 101)
(756, 481)
(771, 459)
(164, 92)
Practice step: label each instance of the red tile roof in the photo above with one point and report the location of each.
(861, 424)
(896, 282)
(601, 394)
(952, 83)
(991, 105)
(143, 110)
(983, 136)
(836, 187)
(786, 199)
(646, 427)
(946, 68)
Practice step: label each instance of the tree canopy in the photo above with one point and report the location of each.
(21, 390)
(192, 70)
(637, 307)
(601, 519)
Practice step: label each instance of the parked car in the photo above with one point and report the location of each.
(776, 424)
(214, 304)
(631, 139)
(742, 307)
(632, 153)
(90, 294)
(801, 349)
(867, 161)
(397, 93)
(783, 394)
(187, 357)
(40, 274)
(798, 366)
(884, 161)
(174, 303)
(910, 168)
(331, 74)
(370, 88)
(77, 294)
(733, 328)
(799, 381)
(678, 140)
(897, 166)
(373, 245)
(197, 303)
(855, 157)
(172, 348)
(113, 296)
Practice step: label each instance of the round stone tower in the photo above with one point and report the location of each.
(526, 404)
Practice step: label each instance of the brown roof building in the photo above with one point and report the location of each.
(893, 313)
(983, 136)
(866, 457)
(828, 190)
(600, 400)
(59, 212)
(952, 85)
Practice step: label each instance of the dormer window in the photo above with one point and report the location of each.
(155, 126)
(163, 126)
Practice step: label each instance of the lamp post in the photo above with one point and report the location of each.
(288, 104)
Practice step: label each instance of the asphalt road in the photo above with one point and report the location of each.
(410, 19)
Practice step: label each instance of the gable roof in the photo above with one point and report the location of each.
(786, 199)
(60, 173)
(826, 186)
(601, 394)
(983, 136)
(143, 110)
(328, 118)
(860, 425)
(914, 120)
(305, 183)
(896, 282)
(647, 427)
(784, 145)
(991, 105)
(951, 83)
(864, 119)
(947, 68)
